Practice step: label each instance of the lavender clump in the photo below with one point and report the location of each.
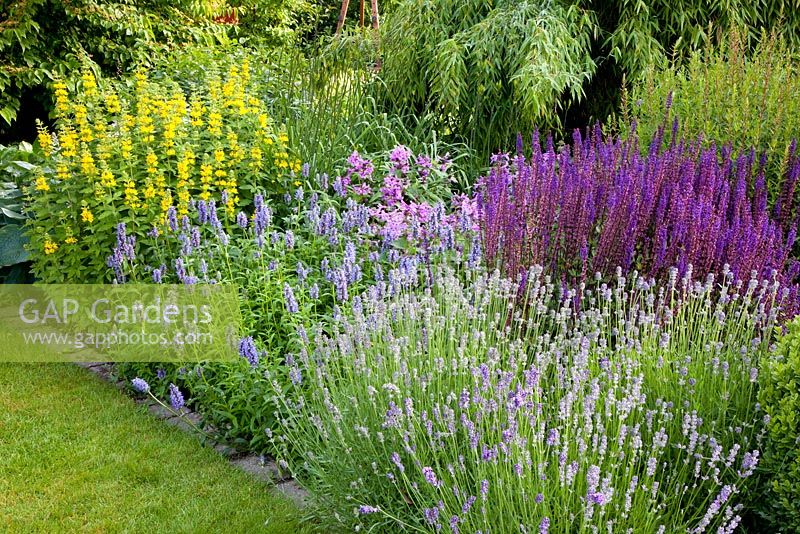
(248, 350)
(517, 407)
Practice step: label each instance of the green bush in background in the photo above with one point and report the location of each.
(726, 96)
(780, 399)
(45, 39)
(486, 70)
(18, 166)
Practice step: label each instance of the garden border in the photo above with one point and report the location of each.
(261, 468)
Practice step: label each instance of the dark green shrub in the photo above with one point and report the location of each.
(44, 39)
(780, 399)
(727, 96)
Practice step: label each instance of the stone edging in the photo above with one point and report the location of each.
(259, 467)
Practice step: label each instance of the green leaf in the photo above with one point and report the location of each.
(12, 245)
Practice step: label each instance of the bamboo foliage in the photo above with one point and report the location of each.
(491, 65)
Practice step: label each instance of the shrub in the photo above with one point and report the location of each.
(377, 222)
(639, 35)
(43, 39)
(780, 399)
(599, 205)
(453, 408)
(485, 69)
(727, 96)
(133, 154)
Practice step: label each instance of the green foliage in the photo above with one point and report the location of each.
(641, 34)
(780, 399)
(726, 95)
(486, 70)
(41, 40)
(18, 165)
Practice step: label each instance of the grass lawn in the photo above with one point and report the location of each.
(77, 456)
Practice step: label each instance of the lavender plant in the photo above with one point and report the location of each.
(455, 409)
(599, 204)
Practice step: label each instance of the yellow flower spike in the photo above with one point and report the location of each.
(127, 122)
(50, 247)
(246, 71)
(131, 195)
(219, 156)
(215, 123)
(107, 179)
(45, 140)
(166, 202)
(196, 112)
(89, 83)
(149, 191)
(69, 143)
(62, 97)
(87, 163)
(112, 103)
(141, 81)
(62, 172)
(70, 240)
(86, 215)
(152, 161)
(41, 184)
(126, 147)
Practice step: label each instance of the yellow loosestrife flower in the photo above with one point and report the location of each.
(89, 83)
(107, 179)
(62, 98)
(196, 112)
(62, 172)
(87, 215)
(131, 195)
(41, 184)
(215, 123)
(69, 143)
(87, 163)
(152, 160)
(126, 148)
(45, 140)
(50, 247)
(70, 240)
(112, 103)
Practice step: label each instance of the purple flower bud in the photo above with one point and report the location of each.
(175, 397)
(140, 385)
(248, 351)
